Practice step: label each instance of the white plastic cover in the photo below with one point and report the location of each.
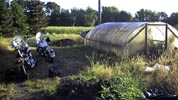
(117, 36)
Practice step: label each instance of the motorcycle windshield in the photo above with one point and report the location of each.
(17, 41)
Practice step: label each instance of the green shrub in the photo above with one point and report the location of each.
(122, 88)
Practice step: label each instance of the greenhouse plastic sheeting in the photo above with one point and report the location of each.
(115, 36)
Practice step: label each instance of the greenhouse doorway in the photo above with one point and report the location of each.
(156, 40)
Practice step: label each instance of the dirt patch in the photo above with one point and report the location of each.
(70, 89)
(66, 42)
(78, 89)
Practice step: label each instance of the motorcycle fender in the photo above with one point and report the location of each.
(52, 54)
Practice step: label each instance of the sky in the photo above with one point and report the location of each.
(131, 6)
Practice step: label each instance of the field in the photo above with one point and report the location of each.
(86, 73)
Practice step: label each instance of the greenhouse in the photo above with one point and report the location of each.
(132, 37)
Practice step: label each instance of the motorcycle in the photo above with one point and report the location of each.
(43, 48)
(27, 60)
(24, 54)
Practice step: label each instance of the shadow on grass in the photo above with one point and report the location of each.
(71, 61)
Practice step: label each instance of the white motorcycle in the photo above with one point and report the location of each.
(25, 58)
(43, 48)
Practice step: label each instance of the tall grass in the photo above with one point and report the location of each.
(66, 30)
(121, 81)
(163, 78)
(126, 77)
(130, 78)
(6, 90)
(48, 85)
(5, 44)
(76, 37)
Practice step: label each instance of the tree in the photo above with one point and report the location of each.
(51, 8)
(82, 17)
(19, 19)
(36, 16)
(78, 16)
(123, 16)
(65, 18)
(5, 18)
(173, 19)
(109, 14)
(162, 16)
(52, 11)
(90, 17)
(140, 15)
(146, 15)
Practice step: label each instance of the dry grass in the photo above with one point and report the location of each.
(103, 71)
(66, 30)
(5, 44)
(73, 61)
(48, 84)
(6, 90)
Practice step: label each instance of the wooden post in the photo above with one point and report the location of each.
(146, 39)
(99, 11)
(166, 36)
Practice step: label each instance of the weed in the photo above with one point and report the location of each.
(49, 85)
(6, 90)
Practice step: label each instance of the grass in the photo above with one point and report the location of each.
(49, 84)
(66, 58)
(7, 54)
(66, 30)
(79, 61)
(6, 90)
(101, 72)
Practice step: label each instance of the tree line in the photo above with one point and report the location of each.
(89, 17)
(30, 16)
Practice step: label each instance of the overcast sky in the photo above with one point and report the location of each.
(132, 6)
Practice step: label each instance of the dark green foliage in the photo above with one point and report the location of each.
(52, 8)
(65, 18)
(122, 88)
(90, 17)
(35, 16)
(174, 19)
(123, 16)
(146, 15)
(52, 11)
(112, 14)
(75, 17)
(5, 18)
(109, 14)
(19, 19)
(84, 18)
(162, 16)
